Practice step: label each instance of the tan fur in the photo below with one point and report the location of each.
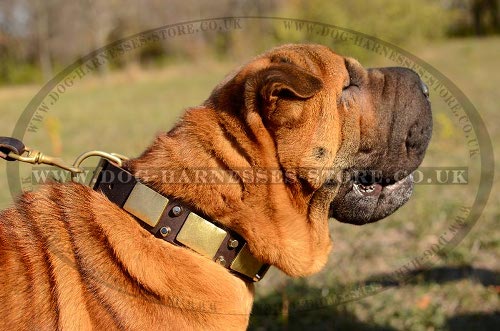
(70, 259)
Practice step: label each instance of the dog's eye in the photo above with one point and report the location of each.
(349, 83)
(353, 77)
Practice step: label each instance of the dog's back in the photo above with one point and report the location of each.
(70, 259)
(38, 270)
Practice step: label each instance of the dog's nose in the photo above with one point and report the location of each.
(425, 89)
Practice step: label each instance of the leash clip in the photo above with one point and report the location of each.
(36, 157)
(12, 149)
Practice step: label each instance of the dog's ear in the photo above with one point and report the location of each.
(277, 88)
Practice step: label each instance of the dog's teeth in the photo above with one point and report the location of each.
(367, 189)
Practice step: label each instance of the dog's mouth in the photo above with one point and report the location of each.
(369, 198)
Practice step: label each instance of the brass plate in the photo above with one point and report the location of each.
(146, 204)
(246, 263)
(201, 236)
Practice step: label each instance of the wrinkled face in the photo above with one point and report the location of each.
(337, 126)
(395, 126)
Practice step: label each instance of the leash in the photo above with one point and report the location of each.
(165, 218)
(12, 149)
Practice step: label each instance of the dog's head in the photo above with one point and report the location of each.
(337, 126)
(345, 138)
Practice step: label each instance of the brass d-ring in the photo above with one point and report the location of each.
(113, 157)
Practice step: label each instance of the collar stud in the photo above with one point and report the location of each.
(232, 243)
(176, 210)
(165, 231)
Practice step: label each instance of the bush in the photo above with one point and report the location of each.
(15, 72)
(394, 21)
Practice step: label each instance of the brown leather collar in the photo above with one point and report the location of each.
(171, 220)
(164, 217)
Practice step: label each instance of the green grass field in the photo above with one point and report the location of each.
(122, 112)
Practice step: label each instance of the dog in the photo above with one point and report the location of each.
(71, 258)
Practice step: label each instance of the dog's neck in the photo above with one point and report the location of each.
(281, 222)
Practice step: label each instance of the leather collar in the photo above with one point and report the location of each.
(170, 220)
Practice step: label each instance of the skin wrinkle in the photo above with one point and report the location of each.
(108, 308)
(347, 81)
(89, 282)
(25, 210)
(20, 255)
(384, 84)
(222, 164)
(100, 234)
(24, 257)
(49, 268)
(238, 147)
(236, 144)
(87, 290)
(405, 105)
(65, 263)
(392, 133)
(315, 62)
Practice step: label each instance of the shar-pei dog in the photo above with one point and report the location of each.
(175, 238)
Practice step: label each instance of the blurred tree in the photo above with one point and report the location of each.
(401, 23)
(14, 26)
(41, 13)
(474, 17)
(39, 35)
(485, 16)
(100, 18)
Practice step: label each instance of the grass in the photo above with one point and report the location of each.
(122, 112)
